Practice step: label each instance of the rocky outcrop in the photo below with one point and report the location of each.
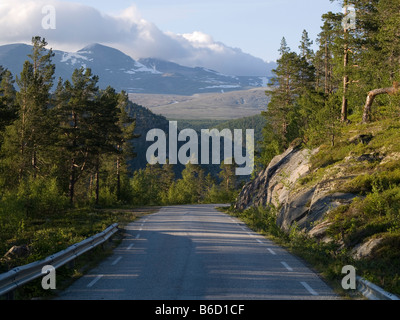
(365, 249)
(299, 203)
(272, 185)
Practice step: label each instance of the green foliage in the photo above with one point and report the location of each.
(261, 219)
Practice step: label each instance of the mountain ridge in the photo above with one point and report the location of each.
(146, 75)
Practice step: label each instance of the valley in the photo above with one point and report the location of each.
(206, 106)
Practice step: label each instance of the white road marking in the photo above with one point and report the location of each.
(259, 241)
(130, 246)
(94, 281)
(116, 261)
(309, 289)
(137, 236)
(271, 251)
(287, 266)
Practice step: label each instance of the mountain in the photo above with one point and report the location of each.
(120, 71)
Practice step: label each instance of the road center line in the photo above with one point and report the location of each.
(309, 289)
(287, 266)
(271, 251)
(130, 246)
(94, 281)
(259, 241)
(137, 236)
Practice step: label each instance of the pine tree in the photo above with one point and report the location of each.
(75, 110)
(166, 179)
(106, 135)
(125, 147)
(33, 125)
(228, 176)
(283, 93)
(305, 47)
(324, 58)
(294, 77)
(8, 106)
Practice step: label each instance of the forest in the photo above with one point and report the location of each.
(317, 93)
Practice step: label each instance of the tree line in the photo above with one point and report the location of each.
(314, 94)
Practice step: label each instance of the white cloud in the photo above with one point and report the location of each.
(79, 25)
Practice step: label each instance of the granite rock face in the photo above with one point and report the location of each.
(299, 203)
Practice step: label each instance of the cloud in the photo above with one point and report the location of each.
(79, 25)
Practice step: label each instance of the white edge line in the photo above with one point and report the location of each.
(309, 289)
(94, 281)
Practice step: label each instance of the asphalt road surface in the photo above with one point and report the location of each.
(195, 252)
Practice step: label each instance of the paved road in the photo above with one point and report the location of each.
(196, 252)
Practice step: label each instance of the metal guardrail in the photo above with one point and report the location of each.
(19, 276)
(372, 291)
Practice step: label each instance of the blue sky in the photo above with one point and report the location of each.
(255, 26)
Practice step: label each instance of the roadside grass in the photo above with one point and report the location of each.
(46, 235)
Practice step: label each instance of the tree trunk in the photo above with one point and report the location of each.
(345, 83)
(97, 181)
(371, 97)
(118, 180)
(345, 76)
(326, 67)
(72, 181)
